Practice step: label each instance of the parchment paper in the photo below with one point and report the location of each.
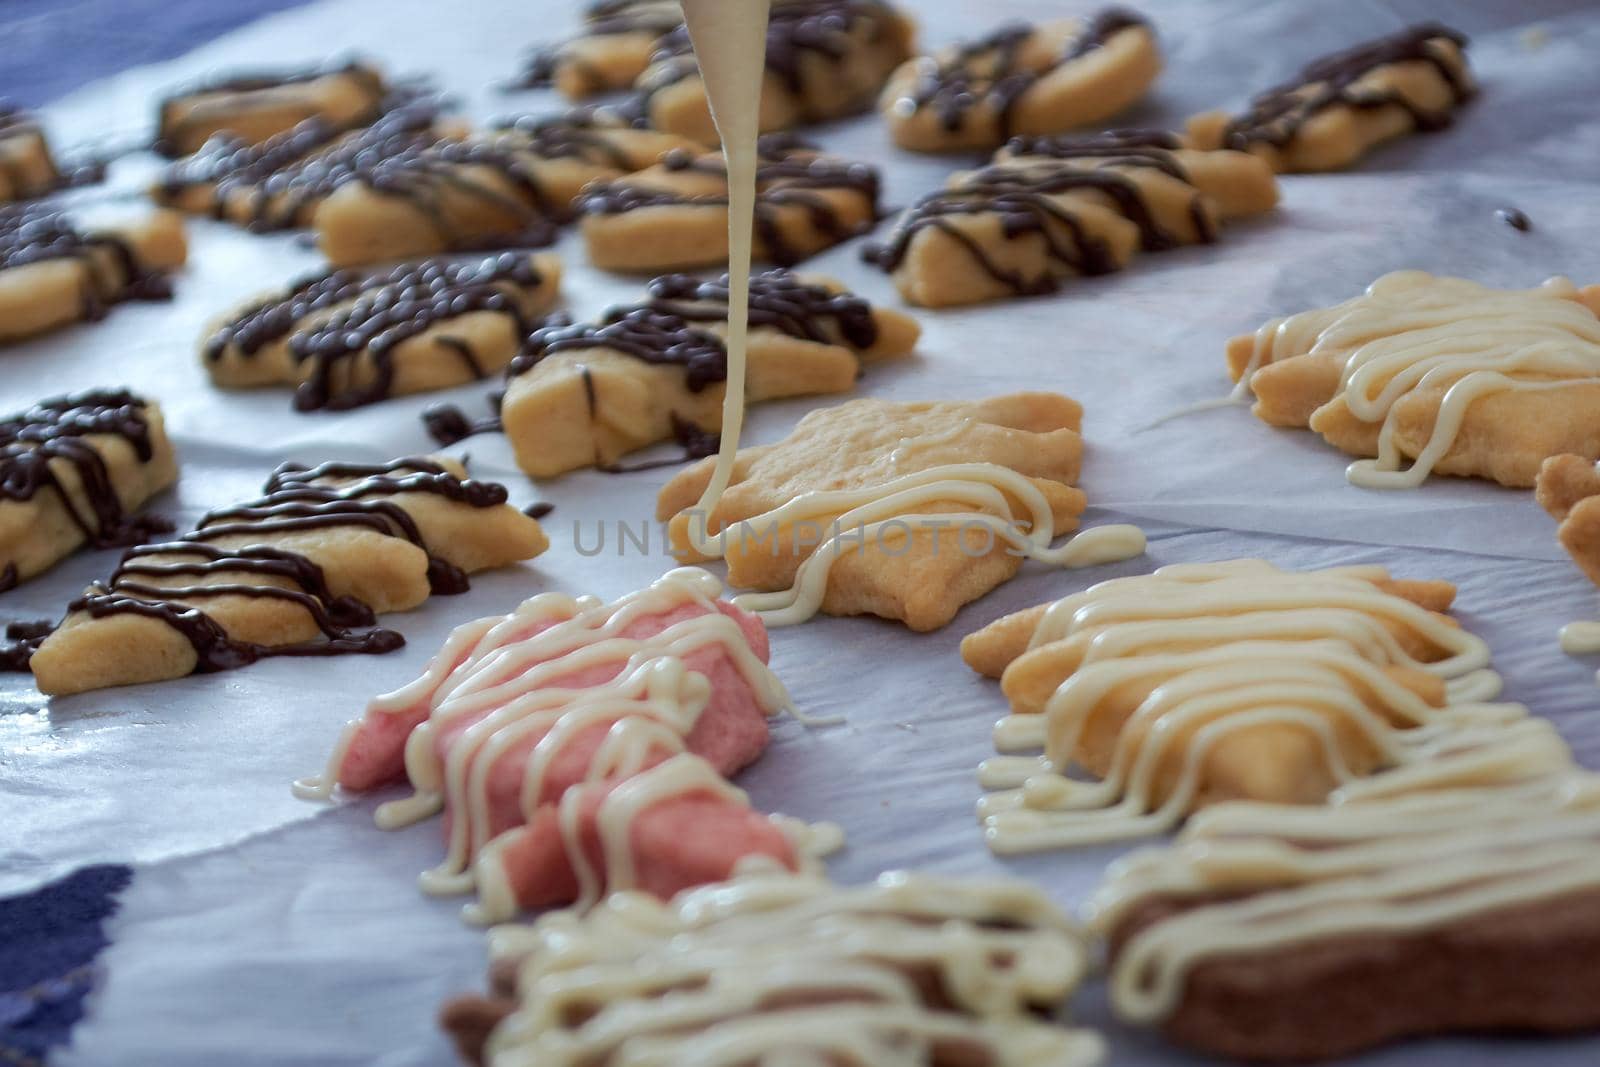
(263, 930)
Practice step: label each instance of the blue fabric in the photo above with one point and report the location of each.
(50, 47)
(48, 942)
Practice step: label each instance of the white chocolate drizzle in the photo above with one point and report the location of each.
(1390, 866)
(790, 969)
(1414, 331)
(1218, 651)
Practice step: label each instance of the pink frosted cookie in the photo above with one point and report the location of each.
(575, 746)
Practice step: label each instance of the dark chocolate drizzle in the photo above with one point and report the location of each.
(170, 130)
(424, 174)
(788, 174)
(579, 133)
(282, 179)
(666, 330)
(989, 70)
(31, 233)
(1516, 218)
(383, 312)
(54, 431)
(401, 154)
(296, 498)
(22, 637)
(447, 424)
(1277, 115)
(1021, 196)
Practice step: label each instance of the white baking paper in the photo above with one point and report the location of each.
(264, 930)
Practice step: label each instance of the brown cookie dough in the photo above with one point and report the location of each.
(73, 471)
(52, 274)
(777, 964)
(1022, 79)
(1280, 935)
(924, 575)
(825, 59)
(347, 339)
(590, 394)
(674, 216)
(252, 106)
(1452, 376)
(1343, 105)
(297, 572)
(1052, 208)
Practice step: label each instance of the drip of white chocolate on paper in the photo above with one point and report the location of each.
(496, 672)
(1412, 330)
(1387, 866)
(729, 41)
(767, 966)
(1580, 638)
(1236, 646)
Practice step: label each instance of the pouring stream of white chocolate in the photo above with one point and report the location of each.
(730, 44)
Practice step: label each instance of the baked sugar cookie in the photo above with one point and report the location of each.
(73, 471)
(27, 168)
(53, 274)
(590, 394)
(254, 105)
(1052, 208)
(1275, 934)
(1446, 374)
(298, 572)
(1209, 682)
(277, 183)
(590, 144)
(1022, 79)
(906, 511)
(577, 747)
(618, 39)
(910, 969)
(674, 216)
(504, 187)
(825, 59)
(1567, 488)
(346, 339)
(1343, 105)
